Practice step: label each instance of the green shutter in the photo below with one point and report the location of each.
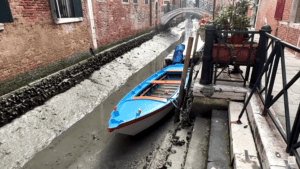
(5, 13)
(77, 8)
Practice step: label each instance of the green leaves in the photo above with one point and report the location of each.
(234, 16)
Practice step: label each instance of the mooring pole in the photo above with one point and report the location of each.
(192, 64)
(188, 86)
(183, 77)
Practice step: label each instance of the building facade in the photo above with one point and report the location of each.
(46, 31)
(284, 18)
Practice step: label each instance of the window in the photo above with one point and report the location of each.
(146, 1)
(152, 0)
(125, 1)
(135, 1)
(65, 11)
(5, 13)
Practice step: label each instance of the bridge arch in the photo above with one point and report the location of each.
(166, 18)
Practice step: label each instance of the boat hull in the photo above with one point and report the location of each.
(136, 126)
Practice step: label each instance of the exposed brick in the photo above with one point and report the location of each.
(34, 37)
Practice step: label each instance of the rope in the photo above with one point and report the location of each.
(174, 104)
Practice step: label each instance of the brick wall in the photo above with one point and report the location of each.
(35, 40)
(287, 9)
(266, 13)
(115, 19)
(287, 32)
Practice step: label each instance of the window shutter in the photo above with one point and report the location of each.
(5, 13)
(279, 9)
(77, 8)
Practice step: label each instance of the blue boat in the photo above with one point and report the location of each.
(148, 102)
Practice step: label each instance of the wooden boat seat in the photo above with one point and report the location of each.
(150, 98)
(171, 82)
(174, 70)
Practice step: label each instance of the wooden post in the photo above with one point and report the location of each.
(183, 77)
(192, 64)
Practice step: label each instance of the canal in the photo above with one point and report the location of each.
(87, 144)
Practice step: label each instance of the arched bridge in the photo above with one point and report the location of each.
(167, 17)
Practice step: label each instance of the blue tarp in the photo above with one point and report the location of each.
(178, 54)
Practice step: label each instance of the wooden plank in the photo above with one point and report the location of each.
(165, 82)
(223, 95)
(183, 77)
(174, 70)
(152, 86)
(150, 98)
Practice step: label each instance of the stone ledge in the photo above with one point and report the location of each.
(270, 145)
(241, 139)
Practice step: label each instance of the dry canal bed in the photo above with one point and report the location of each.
(70, 129)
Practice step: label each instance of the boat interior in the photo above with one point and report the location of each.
(162, 88)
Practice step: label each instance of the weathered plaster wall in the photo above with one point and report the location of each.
(33, 39)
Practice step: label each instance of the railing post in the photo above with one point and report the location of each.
(261, 55)
(210, 31)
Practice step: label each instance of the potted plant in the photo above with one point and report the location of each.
(233, 18)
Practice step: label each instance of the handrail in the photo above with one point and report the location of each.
(235, 31)
(286, 44)
(270, 70)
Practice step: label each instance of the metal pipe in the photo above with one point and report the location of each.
(290, 83)
(286, 99)
(206, 74)
(239, 32)
(214, 11)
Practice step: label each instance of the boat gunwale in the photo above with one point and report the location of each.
(138, 119)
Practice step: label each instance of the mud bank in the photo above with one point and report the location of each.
(36, 93)
(23, 138)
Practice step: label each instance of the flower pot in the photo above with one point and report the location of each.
(224, 55)
(237, 38)
(241, 58)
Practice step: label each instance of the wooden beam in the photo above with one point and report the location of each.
(150, 98)
(183, 77)
(165, 82)
(152, 86)
(174, 70)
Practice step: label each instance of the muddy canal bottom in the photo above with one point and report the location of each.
(87, 144)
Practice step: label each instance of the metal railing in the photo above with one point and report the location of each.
(235, 52)
(268, 68)
(264, 65)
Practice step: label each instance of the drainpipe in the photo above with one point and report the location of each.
(92, 22)
(150, 12)
(214, 11)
